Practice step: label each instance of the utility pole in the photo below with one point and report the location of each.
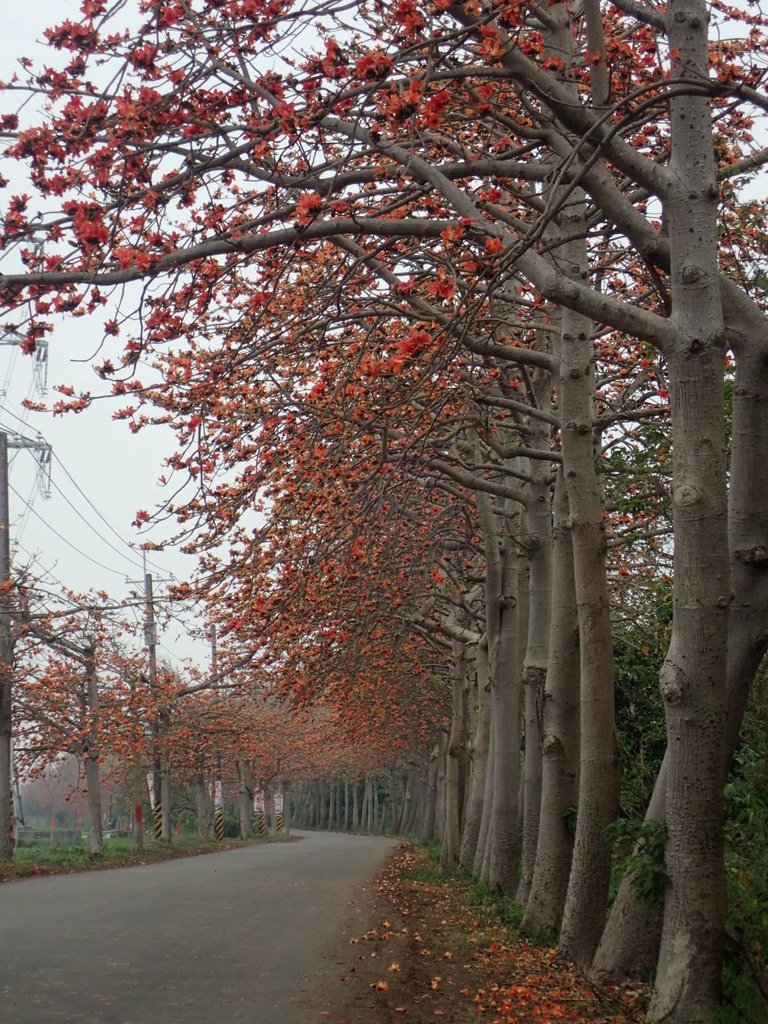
(218, 790)
(6, 662)
(161, 778)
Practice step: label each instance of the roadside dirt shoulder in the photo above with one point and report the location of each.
(432, 952)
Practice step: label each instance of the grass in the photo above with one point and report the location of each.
(491, 907)
(53, 858)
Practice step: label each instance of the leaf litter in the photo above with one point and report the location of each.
(438, 953)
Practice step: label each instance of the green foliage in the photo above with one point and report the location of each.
(740, 1003)
(640, 848)
(429, 873)
(569, 817)
(746, 862)
(231, 825)
(495, 906)
(431, 847)
(640, 724)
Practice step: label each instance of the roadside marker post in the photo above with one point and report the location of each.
(157, 807)
(259, 813)
(218, 810)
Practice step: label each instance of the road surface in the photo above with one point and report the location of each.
(255, 935)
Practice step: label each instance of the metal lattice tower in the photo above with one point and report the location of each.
(40, 366)
(44, 453)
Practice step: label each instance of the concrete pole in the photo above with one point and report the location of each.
(6, 663)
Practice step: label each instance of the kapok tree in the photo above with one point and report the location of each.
(419, 128)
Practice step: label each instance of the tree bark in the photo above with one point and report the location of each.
(428, 830)
(449, 856)
(629, 947)
(500, 869)
(560, 737)
(91, 755)
(587, 896)
(245, 800)
(480, 749)
(693, 677)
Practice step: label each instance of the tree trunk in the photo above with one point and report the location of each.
(137, 801)
(480, 748)
(93, 786)
(428, 829)
(164, 719)
(245, 800)
(538, 541)
(500, 869)
(481, 853)
(693, 677)
(332, 805)
(449, 857)
(630, 944)
(91, 755)
(355, 806)
(587, 896)
(560, 737)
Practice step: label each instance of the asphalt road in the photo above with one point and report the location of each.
(252, 935)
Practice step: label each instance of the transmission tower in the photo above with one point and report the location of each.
(40, 365)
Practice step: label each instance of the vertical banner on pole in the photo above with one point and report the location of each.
(218, 810)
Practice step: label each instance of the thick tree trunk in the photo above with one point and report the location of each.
(630, 944)
(405, 822)
(449, 857)
(91, 756)
(693, 677)
(204, 808)
(442, 746)
(500, 861)
(245, 800)
(538, 541)
(364, 808)
(93, 786)
(331, 787)
(480, 749)
(587, 896)
(560, 737)
(373, 806)
(629, 947)
(481, 852)
(428, 829)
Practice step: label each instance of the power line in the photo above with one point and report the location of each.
(91, 527)
(105, 521)
(93, 508)
(117, 572)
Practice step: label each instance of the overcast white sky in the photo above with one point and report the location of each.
(101, 473)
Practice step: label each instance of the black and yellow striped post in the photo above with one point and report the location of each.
(218, 810)
(262, 823)
(278, 805)
(157, 812)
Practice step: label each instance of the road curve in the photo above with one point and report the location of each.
(248, 935)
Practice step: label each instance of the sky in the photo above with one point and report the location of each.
(101, 474)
